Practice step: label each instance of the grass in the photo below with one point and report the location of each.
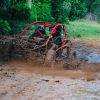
(83, 29)
(75, 29)
(90, 92)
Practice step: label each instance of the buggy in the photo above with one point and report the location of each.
(49, 39)
(41, 38)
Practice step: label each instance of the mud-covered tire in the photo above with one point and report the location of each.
(65, 52)
(6, 50)
(50, 58)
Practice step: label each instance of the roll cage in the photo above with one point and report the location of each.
(54, 25)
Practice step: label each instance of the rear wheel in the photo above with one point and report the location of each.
(50, 58)
(65, 52)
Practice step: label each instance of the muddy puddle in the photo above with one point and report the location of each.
(88, 72)
(22, 80)
(18, 83)
(90, 57)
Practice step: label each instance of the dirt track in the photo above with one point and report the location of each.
(21, 80)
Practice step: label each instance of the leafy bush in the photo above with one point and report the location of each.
(44, 12)
(17, 26)
(97, 14)
(77, 10)
(19, 12)
(4, 27)
(59, 12)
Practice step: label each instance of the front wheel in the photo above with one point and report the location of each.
(50, 58)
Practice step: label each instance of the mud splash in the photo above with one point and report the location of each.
(18, 84)
(87, 72)
(28, 78)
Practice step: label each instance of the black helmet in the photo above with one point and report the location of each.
(40, 28)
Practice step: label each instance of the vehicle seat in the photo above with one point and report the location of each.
(57, 33)
(58, 38)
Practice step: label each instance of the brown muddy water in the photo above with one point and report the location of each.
(21, 80)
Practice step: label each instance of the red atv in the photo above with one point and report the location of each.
(49, 39)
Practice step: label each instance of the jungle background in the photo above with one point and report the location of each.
(15, 15)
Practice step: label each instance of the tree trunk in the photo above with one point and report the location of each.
(29, 3)
(35, 10)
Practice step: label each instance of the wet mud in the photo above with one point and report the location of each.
(21, 81)
(26, 78)
(88, 49)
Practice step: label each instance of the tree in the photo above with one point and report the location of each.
(77, 9)
(59, 13)
(42, 10)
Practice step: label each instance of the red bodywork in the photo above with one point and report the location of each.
(52, 31)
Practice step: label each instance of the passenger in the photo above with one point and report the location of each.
(57, 35)
(39, 32)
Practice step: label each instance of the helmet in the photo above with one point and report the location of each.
(40, 28)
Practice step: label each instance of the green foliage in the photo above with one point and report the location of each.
(16, 12)
(59, 12)
(83, 29)
(44, 12)
(77, 10)
(32, 12)
(19, 12)
(14, 2)
(67, 9)
(93, 7)
(90, 4)
(4, 27)
(96, 11)
(17, 26)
